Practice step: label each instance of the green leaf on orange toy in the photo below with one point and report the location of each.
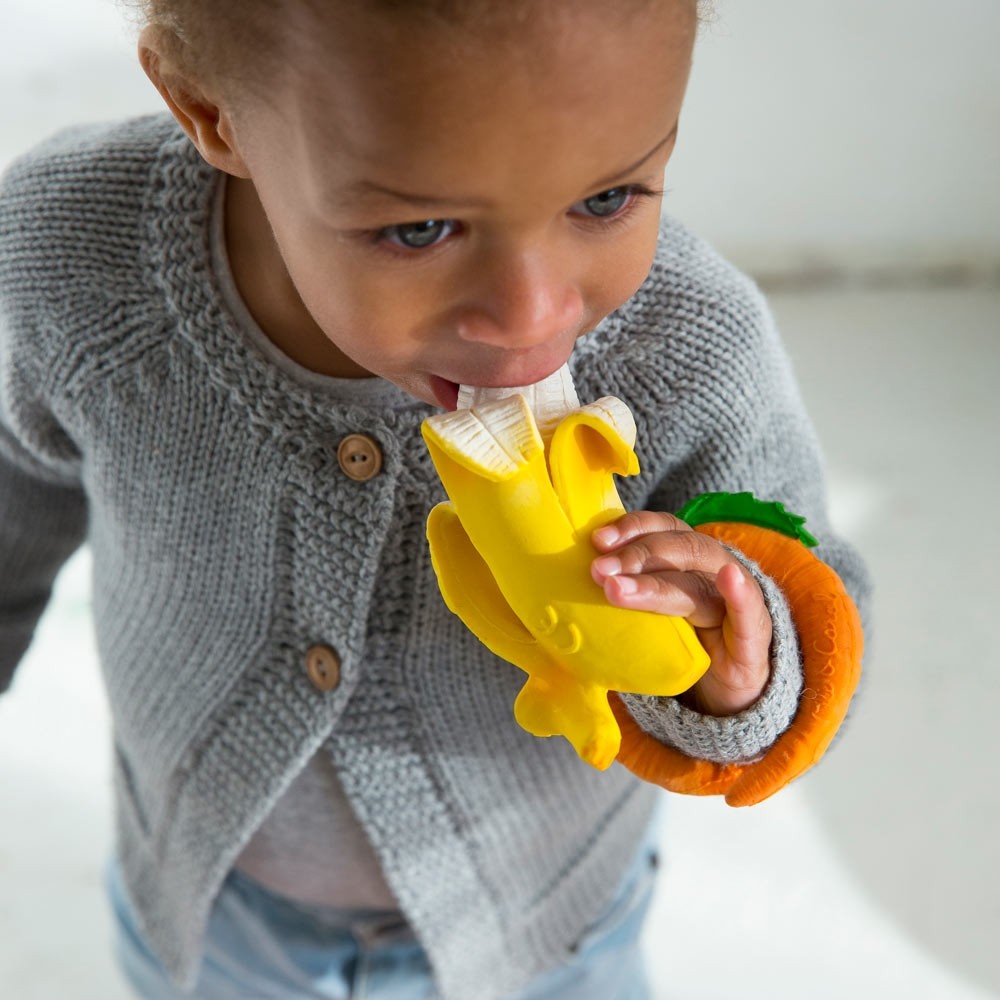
(745, 508)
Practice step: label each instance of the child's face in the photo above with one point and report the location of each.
(453, 210)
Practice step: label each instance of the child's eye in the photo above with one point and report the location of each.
(608, 202)
(418, 235)
(614, 203)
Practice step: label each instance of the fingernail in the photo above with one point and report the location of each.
(627, 585)
(608, 565)
(607, 535)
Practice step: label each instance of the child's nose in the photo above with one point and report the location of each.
(521, 301)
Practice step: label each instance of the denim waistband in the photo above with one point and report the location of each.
(373, 928)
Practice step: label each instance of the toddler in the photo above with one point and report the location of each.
(220, 331)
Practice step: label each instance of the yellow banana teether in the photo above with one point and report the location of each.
(512, 554)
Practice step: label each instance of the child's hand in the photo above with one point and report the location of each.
(656, 562)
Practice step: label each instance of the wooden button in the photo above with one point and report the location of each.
(323, 667)
(360, 457)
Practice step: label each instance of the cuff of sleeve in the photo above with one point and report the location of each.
(748, 735)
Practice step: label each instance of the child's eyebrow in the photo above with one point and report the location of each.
(610, 180)
(372, 189)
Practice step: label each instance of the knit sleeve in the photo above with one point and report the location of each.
(718, 409)
(42, 520)
(42, 507)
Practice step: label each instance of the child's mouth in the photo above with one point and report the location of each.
(445, 392)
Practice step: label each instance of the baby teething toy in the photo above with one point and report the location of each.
(528, 474)
(831, 641)
(512, 554)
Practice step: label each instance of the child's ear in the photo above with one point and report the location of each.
(205, 123)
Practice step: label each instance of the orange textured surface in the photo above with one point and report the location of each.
(831, 642)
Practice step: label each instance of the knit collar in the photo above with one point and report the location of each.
(189, 258)
(365, 391)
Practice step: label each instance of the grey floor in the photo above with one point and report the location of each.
(875, 877)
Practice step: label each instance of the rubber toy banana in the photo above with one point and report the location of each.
(512, 553)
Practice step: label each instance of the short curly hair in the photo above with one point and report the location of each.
(202, 36)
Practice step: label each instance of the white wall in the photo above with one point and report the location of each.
(859, 133)
(851, 133)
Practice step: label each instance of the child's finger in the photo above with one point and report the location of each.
(661, 551)
(685, 595)
(634, 525)
(747, 625)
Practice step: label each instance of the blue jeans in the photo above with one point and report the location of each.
(260, 946)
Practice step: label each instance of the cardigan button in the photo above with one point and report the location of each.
(323, 667)
(360, 457)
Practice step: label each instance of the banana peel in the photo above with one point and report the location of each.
(511, 549)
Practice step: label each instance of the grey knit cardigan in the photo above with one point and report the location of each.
(138, 415)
